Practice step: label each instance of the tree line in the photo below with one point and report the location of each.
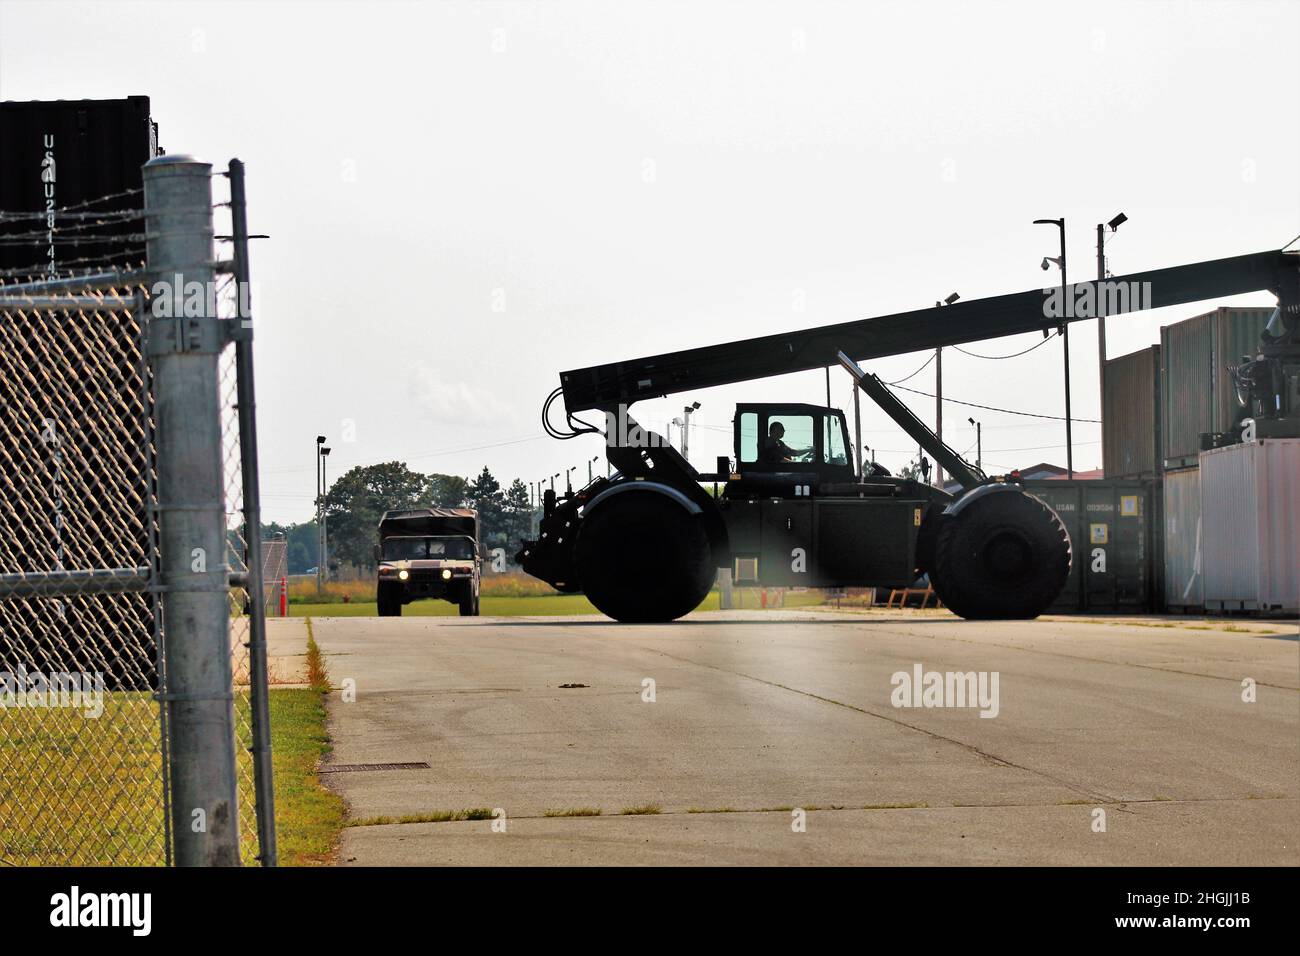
(357, 500)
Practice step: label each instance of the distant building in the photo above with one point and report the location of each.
(1091, 475)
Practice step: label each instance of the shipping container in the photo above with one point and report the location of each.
(1197, 395)
(1131, 415)
(1184, 586)
(1250, 514)
(65, 153)
(76, 432)
(1111, 528)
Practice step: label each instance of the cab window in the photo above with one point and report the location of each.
(833, 445)
(749, 437)
(404, 549)
(789, 438)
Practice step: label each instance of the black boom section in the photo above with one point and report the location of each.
(607, 386)
(945, 455)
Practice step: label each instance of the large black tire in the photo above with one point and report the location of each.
(390, 601)
(643, 559)
(468, 602)
(1006, 555)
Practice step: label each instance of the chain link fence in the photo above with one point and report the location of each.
(125, 559)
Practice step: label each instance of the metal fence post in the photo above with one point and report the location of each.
(257, 681)
(183, 351)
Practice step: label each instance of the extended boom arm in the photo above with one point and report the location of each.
(622, 383)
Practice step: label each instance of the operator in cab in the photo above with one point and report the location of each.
(775, 450)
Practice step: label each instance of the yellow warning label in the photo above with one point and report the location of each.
(1130, 506)
(1099, 533)
(916, 517)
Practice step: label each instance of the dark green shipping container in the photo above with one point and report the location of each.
(1111, 525)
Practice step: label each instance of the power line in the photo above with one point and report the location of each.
(1005, 411)
(1037, 345)
(933, 356)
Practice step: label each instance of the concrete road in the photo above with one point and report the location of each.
(1135, 726)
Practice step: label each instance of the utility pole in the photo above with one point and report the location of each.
(322, 565)
(686, 427)
(857, 432)
(1065, 336)
(320, 441)
(938, 392)
(1101, 317)
(1101, 335)
(938, 407)
(979, 444)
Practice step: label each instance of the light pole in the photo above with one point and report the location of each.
(320, 440)
(568, 485)
(686, 428)
(590, 476)
(323, 564)
(1065, 335)
(938, 391)
(979, 444)
(553, 477)
(1101, 315)
(678, 423)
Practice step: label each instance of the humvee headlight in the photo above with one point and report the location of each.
(446, 574)
(403, 574)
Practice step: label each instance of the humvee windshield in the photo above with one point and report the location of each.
(415, 549)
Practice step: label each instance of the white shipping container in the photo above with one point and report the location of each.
(1184, 585)
(1250, 519)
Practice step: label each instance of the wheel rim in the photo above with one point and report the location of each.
(1008, 556)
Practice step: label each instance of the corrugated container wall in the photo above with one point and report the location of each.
(1130, 415)
(65, 153)
(1250, 514)
(1111, 537)
(1196, 392)
(1184, 585)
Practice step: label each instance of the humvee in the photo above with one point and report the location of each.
(429, 553)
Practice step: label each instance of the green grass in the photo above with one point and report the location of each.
(82, 791)
(308, 818)
(531, 606)
(572, 812)
(644, 809)
(76, 790)
(433, 816)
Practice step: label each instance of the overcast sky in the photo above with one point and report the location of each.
(465, 199)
